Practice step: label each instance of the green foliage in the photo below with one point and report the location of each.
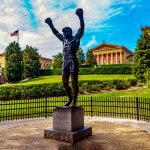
(113, 69)
(147, 76)
(143, 42)
(90, 58)
(103, 69)
(31, 62)
(58, 60)
(85, 71)
(13, 63)
(56, 89)
(50, 72)
(142, 57)
(80, 56)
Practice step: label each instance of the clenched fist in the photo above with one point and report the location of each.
(48, 20)
(79, 12)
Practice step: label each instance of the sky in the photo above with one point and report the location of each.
(112, 21)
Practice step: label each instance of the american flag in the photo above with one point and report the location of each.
(15, 33)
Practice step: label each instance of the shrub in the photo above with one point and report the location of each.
(132, 82)
(113, 69)
(104, 69)
(44, 72)
(56, 89)
(50, 71)
(120, 84)
(84, 71)
(147, 77)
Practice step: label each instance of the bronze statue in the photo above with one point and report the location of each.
(70, 62)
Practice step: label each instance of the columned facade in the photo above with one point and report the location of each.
(109, 58)
(106, 54)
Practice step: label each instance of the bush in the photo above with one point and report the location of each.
(132, 82)
(147, 77)
(56, 89)
(113, 69)
(44, 72)
(84, 71)
(104, 69)
(50, 72)
(120, 84)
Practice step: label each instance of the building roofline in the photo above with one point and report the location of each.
(115, 45)
(45, 58)
(2, 54)
(144, 28)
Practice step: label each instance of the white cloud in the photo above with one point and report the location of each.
(132, 7)
(90, 43)
(14, 16)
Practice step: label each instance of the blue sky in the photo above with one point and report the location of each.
(115, 21)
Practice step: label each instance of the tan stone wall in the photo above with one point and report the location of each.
(2, 60)
(45, 63)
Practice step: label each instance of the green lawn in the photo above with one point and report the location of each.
(57, 78)
(20, 109)
(142, 92)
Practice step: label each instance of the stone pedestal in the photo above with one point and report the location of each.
(68, 125)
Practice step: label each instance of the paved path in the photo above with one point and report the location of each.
(134, 123)
(108, 134)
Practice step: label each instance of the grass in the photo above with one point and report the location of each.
(21, 109)
(58, 78)
(141, 92)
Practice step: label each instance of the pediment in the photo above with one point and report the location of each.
(105, 46)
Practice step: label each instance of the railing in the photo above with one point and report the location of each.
(120, 107)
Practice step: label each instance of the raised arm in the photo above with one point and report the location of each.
(55, 32)
(79, 13)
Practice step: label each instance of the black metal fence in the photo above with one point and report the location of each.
(120, 107)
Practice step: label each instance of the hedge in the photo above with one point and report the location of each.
(56, 89)
(103, 69)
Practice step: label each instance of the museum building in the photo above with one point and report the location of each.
(45, 62)
(106, 54)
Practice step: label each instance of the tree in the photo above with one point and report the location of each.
(58, 60)
(90, 58)
(80, 56)
(142, 57)
(31, 62)
(13, 63)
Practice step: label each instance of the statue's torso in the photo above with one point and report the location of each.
(70, 47)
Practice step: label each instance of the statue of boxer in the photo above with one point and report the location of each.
(70, 62)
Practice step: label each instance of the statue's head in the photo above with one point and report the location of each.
(67, 32)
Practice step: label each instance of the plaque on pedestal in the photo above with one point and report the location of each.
(68, 125)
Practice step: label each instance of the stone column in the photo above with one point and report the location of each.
(107, 58)
(96, 58)
(102, 59)
(98, 61)
(112, 62)
(116, 58)
(121, 58)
